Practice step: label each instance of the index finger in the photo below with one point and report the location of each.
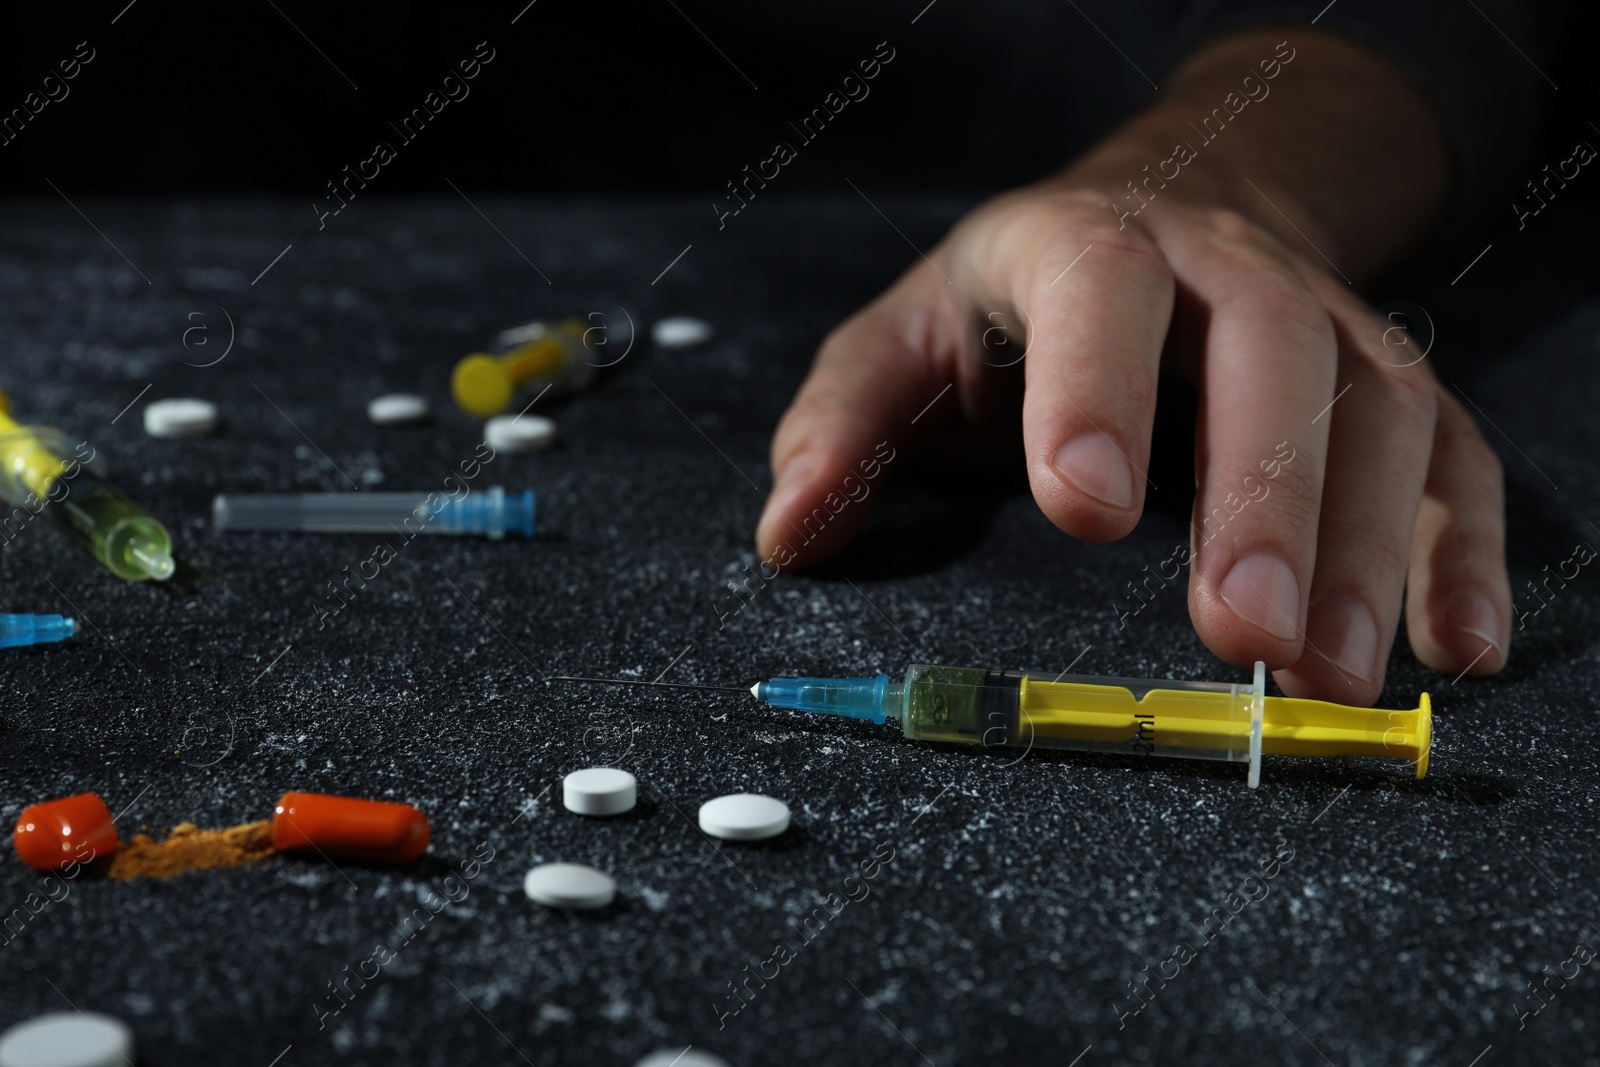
(1267, 379)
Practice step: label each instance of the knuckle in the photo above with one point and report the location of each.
(1474, 537)
(1230, 227)
(1288, 302)
(1131, 242)
(1077, 218)
(1258, 277)
(1418, 384)
(1385, 348)
(1412, 392)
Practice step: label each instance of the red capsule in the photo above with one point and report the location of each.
(372, 831)
(58, 833)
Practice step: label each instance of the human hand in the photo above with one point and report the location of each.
(1380, 483)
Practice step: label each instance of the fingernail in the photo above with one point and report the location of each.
(1262, 590)
(1347, 635)
(1094, 466)
(792, 479)
(1473, 613)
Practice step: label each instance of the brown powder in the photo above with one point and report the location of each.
(189, 848)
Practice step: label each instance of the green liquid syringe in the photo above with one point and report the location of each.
(34, 475)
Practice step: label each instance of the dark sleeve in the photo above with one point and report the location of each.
(1485, 65)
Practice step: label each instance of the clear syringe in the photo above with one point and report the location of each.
(492, 513)
(1129, 716)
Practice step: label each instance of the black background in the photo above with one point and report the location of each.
(585, 98)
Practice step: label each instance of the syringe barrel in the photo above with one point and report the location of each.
(127, 540)
(1199, 720)
(492, 513)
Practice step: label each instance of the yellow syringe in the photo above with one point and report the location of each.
(35, 478)
(560, 355)
(1130, 716)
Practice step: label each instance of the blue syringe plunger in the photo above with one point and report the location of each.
(495, 513)
(853, 698)
(17, 631)
(492, 512)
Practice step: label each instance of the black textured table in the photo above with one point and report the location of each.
(1009, 904)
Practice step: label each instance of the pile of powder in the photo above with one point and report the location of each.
(189, 848)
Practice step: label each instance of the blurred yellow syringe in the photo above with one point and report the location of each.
(35, 477)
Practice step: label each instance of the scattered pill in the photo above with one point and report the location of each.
(569, 885)
(397, 409)
(74, 829)
(680, 332)
(599, 791)
(519, 433)
(689, 1057)
(744, 817)
(370, 831)
(68, 1039)
(180, 417)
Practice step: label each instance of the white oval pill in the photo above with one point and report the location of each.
(689, 1057)
(519, 433)
(744, 817)
(180, 417)
(680, 331)
(569, 885)
(599, 791)
(397, 409)
(68, 1039)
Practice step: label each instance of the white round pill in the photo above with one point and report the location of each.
(680, 331)
(744, 817)
(689, 1057)
(397, 409)
(569, 885)
(180, 417)
(68, 1039)
(599, 791)
(519, 433)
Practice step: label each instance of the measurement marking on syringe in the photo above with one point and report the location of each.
(1144, 732)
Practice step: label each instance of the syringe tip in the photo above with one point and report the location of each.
(151, 559)
(853, 698)
(21, 630)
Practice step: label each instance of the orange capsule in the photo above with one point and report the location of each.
(343, 828)
(58, 833)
